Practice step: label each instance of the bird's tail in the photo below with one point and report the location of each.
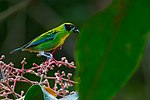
(16, 50)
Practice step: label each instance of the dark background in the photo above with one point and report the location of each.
(23, 20)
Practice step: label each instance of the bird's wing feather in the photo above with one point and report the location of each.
(42, 38)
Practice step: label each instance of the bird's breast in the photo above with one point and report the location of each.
(63, 39)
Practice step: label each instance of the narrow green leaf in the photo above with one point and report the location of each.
(110, 48)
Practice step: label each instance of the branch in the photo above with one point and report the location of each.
(15, 9)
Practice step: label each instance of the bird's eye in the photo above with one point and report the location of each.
(68, 27)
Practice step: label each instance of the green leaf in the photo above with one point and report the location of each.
(34, 93)
(110, 48)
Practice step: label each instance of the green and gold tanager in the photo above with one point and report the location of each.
(49, 40)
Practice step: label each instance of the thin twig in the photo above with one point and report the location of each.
(14, 94)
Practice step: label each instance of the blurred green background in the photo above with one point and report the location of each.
(22, 20)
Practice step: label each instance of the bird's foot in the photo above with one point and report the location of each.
(45, 54)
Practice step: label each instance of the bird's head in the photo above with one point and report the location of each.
(70, 28)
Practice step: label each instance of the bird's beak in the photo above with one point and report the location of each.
(75, 30)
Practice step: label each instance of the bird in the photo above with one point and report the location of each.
(50, 40)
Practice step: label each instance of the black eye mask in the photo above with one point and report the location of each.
(68, 27)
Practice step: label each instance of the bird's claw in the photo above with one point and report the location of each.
(45, 54)
(38, 55)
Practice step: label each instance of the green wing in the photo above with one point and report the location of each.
(41, 39)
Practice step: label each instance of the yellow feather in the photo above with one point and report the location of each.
(63, 39)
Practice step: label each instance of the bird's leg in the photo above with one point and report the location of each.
(45, 54)
(60, 47)
(54, 51)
